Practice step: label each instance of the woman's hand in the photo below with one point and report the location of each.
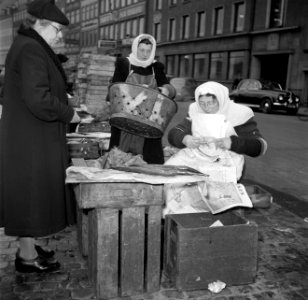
(193, 142)
(223, 143)
(163, 90)
(76, 118)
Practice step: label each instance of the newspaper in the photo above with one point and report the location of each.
(204, 196)
(221, 196)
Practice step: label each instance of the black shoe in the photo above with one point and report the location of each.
(44, 253)
(37, 265)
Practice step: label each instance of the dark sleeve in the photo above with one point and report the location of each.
(121, 70)
(36, 87)
(160, 75)
(177, 133)
(249, 140)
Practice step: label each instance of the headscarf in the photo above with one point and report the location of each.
(236, 114)
(133, 59)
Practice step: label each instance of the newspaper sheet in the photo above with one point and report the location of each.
(221, 196)
(204, 196)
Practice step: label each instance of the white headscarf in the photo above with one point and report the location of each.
(133, 59)
(236, 114)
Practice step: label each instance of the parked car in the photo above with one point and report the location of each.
(185, 88)
(267, 96)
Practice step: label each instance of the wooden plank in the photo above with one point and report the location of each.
(132, 251)
(82, 230)
(118, 194)
(153, 257)
(104, 251)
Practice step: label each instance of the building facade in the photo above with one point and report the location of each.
(224, 40)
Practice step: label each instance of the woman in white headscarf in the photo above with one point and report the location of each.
(215, 122)
(141, 68)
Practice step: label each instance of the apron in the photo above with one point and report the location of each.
(130, 142)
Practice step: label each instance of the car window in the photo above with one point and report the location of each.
(271, 86)
(250, 85)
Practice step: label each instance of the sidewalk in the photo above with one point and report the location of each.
(282, 266)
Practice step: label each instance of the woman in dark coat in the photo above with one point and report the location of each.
(33, 138)
(141, 68)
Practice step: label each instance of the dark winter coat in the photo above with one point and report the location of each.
(34, 156)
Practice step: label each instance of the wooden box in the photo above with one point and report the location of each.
(119, 229)
(196, 254)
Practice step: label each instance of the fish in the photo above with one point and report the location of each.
(161, 170)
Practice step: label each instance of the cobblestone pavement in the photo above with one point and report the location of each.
(282, 266)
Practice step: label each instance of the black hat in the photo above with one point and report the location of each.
(46, 9)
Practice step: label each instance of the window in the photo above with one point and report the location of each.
(87, 12)
(171, 32)
(141, 25)
(122, 29)
(111, 32)
(77, 16)
(103, 6)
(218, 20)
(216, 63)
(172, 2)
(239, 17)
(185, 27)
(134, 27)
(200, 66)
(158, 4)
(102, 33)
(236, 65)
(112, 3)
(83, 14)
(123, 3)
(200, 24)
(128, 30)
(95, 9)
(170, 65)
(116, 31)
(157, 32)
(107, 6)
(276, 13)
(184, 66)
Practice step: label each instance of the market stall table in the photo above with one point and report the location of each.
(124, 232)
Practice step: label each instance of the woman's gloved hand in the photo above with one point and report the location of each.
(76, 118)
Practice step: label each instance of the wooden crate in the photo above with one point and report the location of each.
(196, 254)
(123, 234)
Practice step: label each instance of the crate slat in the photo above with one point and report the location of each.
(103, 251)
(132, 251)
(153, 259)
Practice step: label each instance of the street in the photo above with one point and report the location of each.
(285, 165)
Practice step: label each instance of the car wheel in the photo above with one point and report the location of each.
(266, 106)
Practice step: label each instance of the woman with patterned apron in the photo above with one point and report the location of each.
(141, 68)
